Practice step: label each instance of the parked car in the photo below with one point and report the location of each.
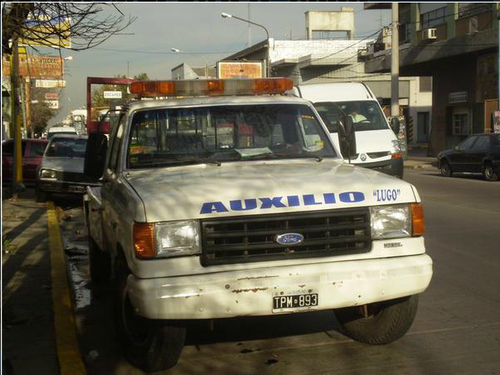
(61, 169)
(478, 153)
(60, 130)
(32, 151)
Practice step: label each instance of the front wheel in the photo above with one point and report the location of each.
(489, 173)
(151, 345)
(378, 323)
(445, 169)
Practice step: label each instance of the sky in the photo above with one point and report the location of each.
(198, 31)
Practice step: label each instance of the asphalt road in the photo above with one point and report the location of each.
(457, 329)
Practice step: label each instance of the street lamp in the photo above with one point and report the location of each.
(69, 58)
(268, 66)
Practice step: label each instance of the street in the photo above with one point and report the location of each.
(457, 329)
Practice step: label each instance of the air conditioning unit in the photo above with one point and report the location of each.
(429, 34)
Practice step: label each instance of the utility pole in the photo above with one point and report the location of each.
(395, 61)
(17, 175)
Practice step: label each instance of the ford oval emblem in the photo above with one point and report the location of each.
(289, 238)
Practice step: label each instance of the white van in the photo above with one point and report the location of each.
(60, 130)
(376, 143)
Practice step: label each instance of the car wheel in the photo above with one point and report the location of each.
(151, 345)
(489, 173)
(41, 196)
(445, 169)
(99, 263)
(378, 323)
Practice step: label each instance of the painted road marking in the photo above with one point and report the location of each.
(68, 349)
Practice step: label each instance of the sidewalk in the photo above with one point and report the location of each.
(29, 345)
(39, 335)
(418, 159)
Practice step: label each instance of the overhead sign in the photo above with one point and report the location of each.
(50, 83)
(47, 31)
(112, 94)
(239, 69)
(36, 66)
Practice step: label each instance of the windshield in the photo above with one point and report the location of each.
(52, 135)
(66, 147)
(165, 137)
(366, 115)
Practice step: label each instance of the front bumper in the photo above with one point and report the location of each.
(61, 187)
(392, 167)
(251, 292)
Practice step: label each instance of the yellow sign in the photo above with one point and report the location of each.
(237, 69)
(53, 32)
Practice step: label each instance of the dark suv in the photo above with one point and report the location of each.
(478, 153)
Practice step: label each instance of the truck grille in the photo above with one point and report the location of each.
(72, 177)
(252, 239)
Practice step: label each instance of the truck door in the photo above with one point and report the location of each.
(112, 206)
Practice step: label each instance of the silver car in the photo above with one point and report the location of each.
(61, 169)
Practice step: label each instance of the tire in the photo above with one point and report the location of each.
(99, 263)
(489, 173)
(41, 196)
(386, 321)
(151, 345)
(445, 169)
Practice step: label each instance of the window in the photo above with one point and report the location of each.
(425, 84)
(470, 9)
(467, 144)
(366, 115)
(37, 148)
(482, 143)
(461, 124)
(180, 136)
(66, 147)
(433, 18)
(8, 148)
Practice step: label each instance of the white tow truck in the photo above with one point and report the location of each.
(227, 198)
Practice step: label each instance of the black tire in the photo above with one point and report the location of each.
(386, 321)
(41, 196)
(151, 345)
(489, 173)
(99, 263)
(445, 169)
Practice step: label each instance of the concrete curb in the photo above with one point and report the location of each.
(68, 348)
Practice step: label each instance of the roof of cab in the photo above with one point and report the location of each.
(338, 91)
(216, 100)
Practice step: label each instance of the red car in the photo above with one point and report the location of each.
(32, 150)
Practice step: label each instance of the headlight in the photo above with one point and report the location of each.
(396, 146)
(390, 221)
(177, 238)
(48, 174)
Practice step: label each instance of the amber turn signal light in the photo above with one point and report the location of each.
(144, 246)
(418, 225)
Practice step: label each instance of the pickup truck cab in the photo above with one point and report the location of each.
(229, 199)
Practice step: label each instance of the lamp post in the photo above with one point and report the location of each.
(268, 66)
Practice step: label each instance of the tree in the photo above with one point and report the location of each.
(42, 23)
(41, 114)
(98, 100)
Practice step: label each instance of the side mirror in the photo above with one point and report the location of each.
(395, 125)
(95, 156)
(347, 137)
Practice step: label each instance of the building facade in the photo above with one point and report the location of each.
(457, 45)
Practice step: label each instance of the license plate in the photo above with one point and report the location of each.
(75, 188)
(295, 301)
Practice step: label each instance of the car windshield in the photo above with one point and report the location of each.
(366, 115)
(166, 137)
(66, 147)
(52, 135)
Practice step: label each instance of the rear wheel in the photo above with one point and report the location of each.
(445, 169)
(99, 263)
(151, 345)
(378, 323)
(489, 173)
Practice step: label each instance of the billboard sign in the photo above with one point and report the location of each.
(56, 32)
(36, 66)
(50, 83)
(51, 96)
(240, 69)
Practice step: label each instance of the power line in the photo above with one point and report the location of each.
(164, 53)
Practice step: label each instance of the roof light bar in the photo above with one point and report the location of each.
(213, 87)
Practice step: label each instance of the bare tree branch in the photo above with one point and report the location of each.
(50, 24)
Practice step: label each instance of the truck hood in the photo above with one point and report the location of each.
(256, 188)
(370, 141)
